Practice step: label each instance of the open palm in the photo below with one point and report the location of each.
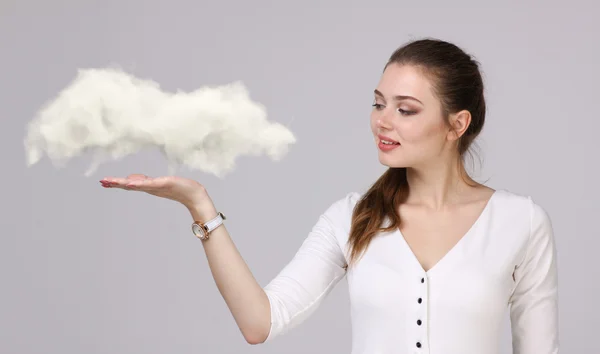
(186, 191)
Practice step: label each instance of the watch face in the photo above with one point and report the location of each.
(198, 231)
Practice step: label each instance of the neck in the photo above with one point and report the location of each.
(439, 184)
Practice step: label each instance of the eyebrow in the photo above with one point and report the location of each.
(399, 97)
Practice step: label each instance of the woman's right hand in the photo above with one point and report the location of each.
(188, 192)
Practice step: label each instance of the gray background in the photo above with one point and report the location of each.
(89, 270)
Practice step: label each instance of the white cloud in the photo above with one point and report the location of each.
(113, 114)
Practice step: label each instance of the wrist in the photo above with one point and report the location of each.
(203, 212)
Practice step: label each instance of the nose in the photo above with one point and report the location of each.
(383, 124)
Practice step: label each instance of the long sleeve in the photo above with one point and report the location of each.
(301, 286)
(534, 302)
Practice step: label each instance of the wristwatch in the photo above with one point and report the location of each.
(202, 230)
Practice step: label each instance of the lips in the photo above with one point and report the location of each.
(388, 141)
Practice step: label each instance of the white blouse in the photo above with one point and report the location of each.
(506, 261)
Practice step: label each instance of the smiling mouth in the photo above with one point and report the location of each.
(385, 142)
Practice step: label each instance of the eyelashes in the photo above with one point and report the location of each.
(379, 107)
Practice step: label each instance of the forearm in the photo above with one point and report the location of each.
(243, 295)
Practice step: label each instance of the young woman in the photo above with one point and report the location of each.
(433, 259)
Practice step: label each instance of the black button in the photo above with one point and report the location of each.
(422, 280)
(419, 322)
(418, 344)
(420, 300)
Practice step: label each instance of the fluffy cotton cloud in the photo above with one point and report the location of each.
(111, 114)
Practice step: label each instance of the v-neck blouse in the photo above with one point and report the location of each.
(505, 262)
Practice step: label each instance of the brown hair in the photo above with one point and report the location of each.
(458, 84)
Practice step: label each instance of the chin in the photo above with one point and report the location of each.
(392, 163)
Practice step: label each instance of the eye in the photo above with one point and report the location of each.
(406, 113)
(378, 106)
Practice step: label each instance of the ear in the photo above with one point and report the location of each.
(459, 122)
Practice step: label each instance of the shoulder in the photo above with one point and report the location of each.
(521, 218)
(522, 206)
(342, 207)
(339, 212)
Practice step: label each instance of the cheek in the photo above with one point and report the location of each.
(415, 132)
(410, 131)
